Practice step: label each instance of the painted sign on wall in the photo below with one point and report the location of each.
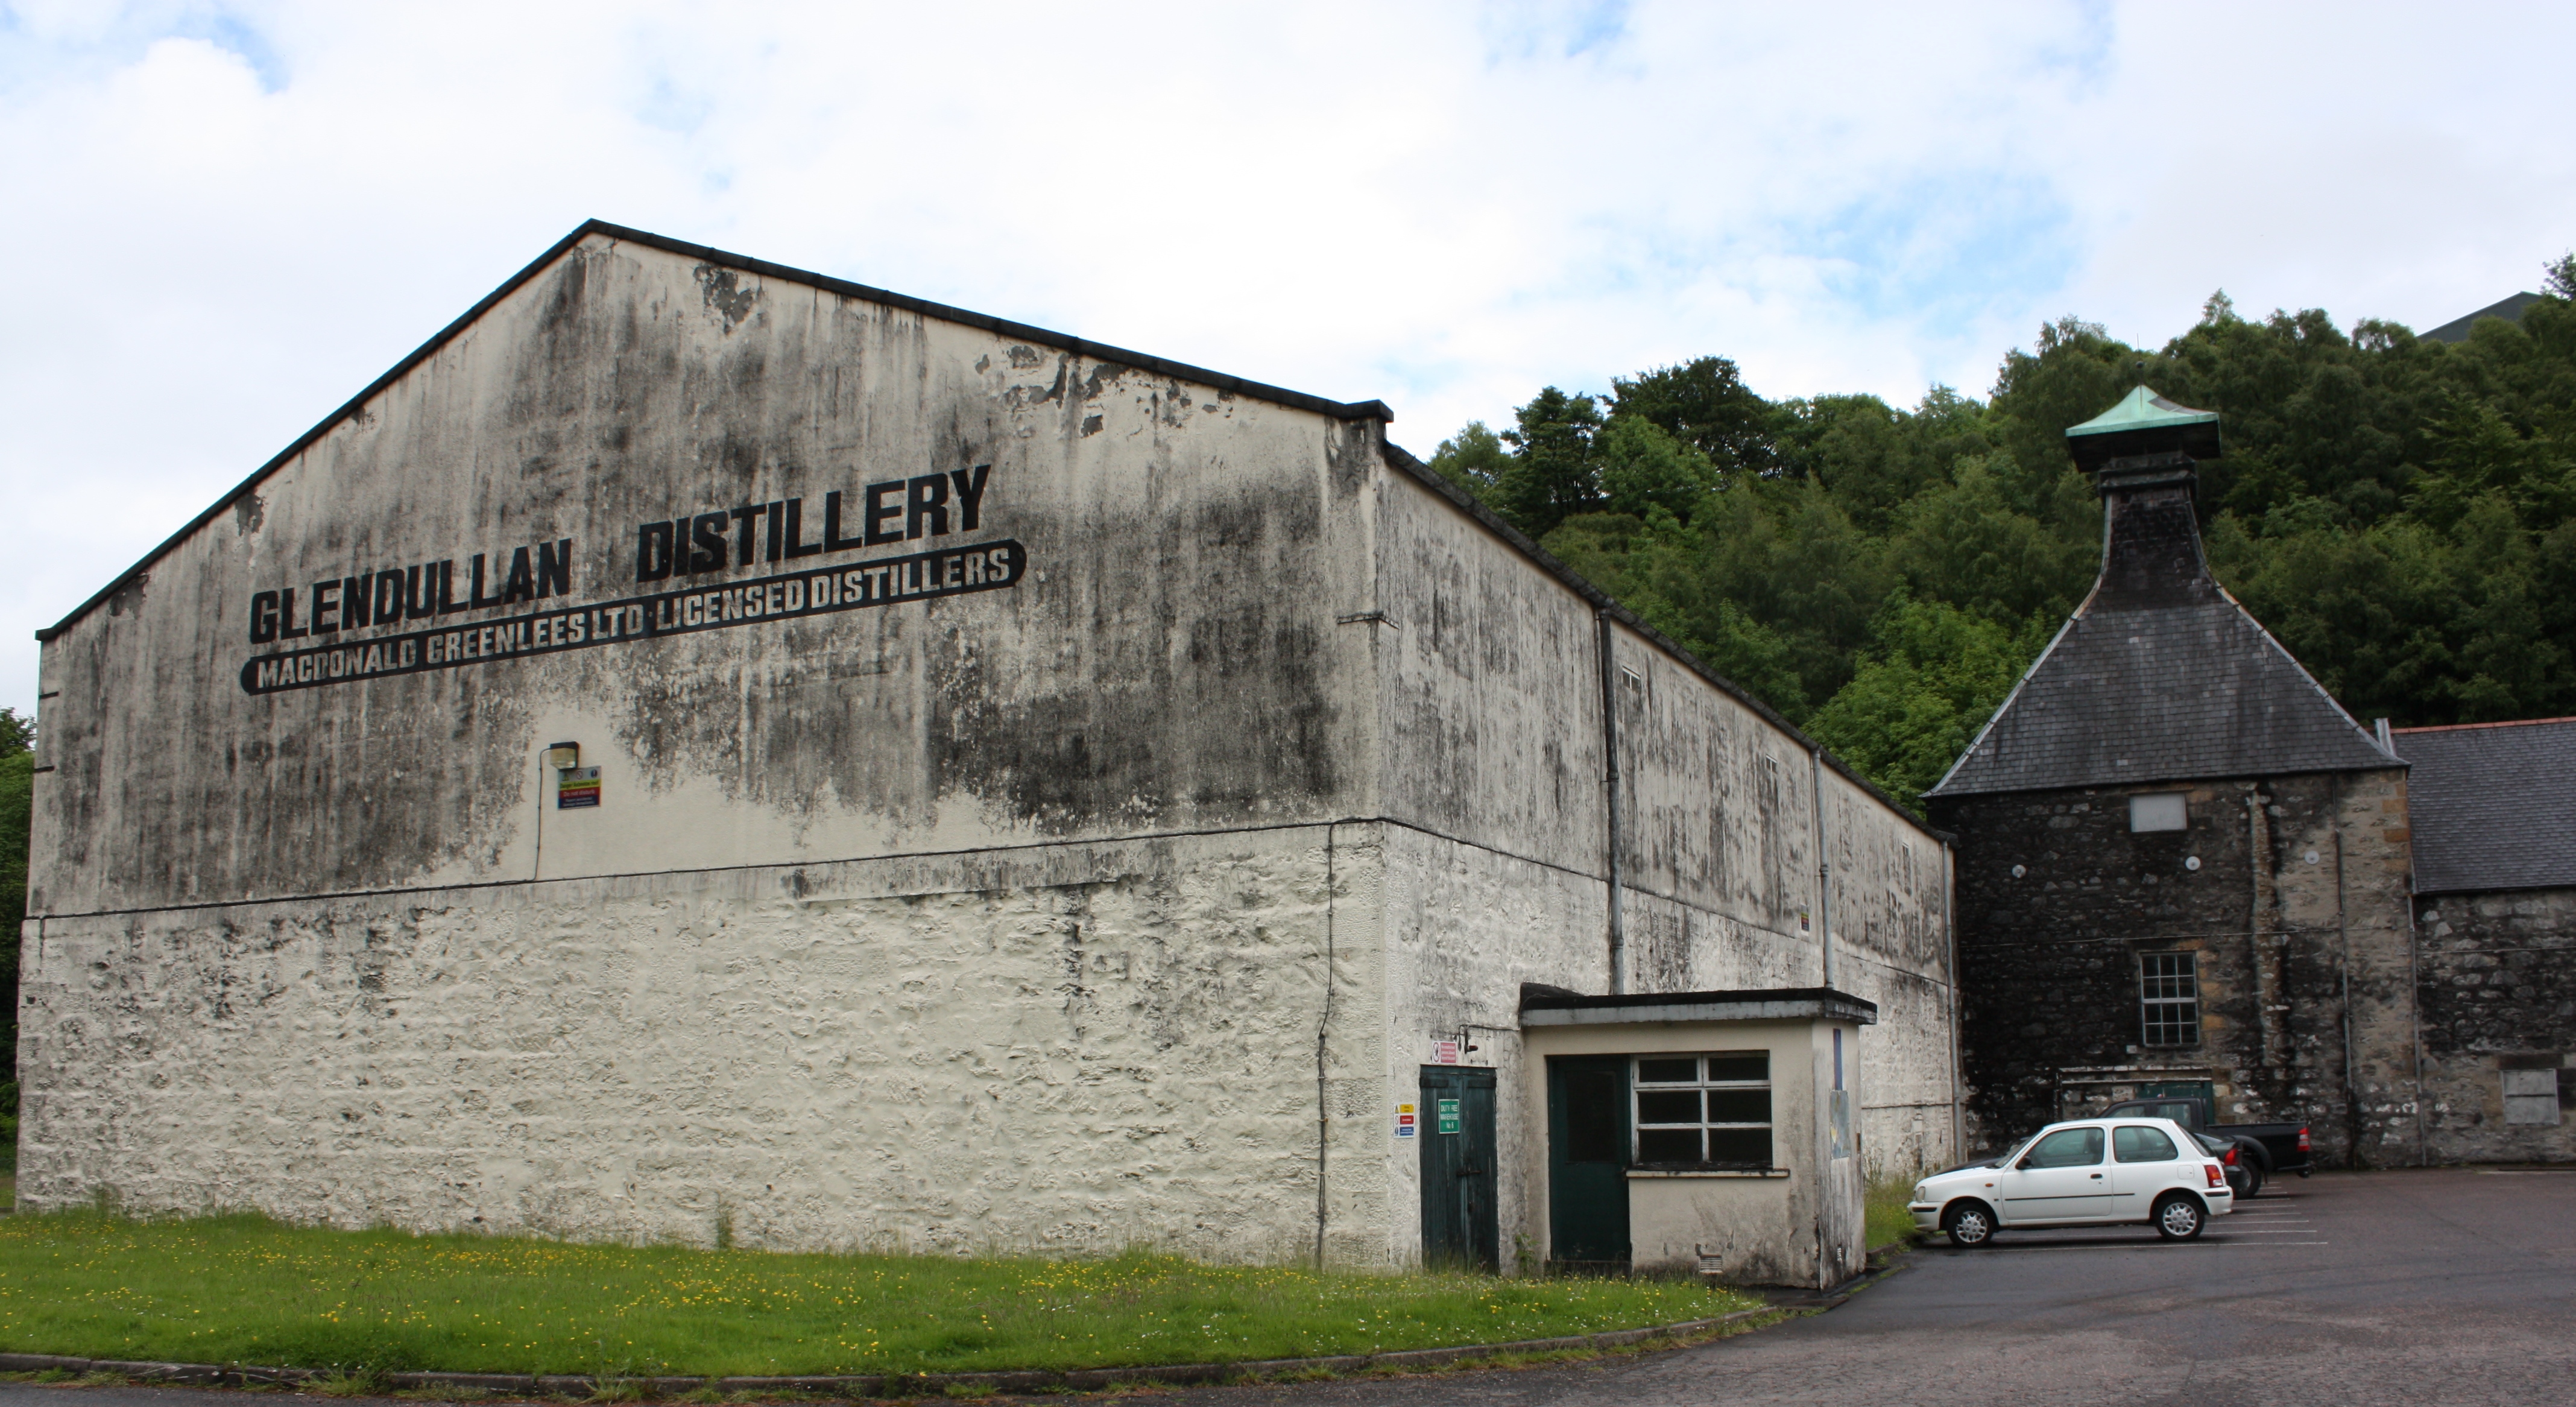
(336, 612)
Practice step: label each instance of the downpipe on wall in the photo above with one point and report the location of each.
(1824, 868)
(1323, 1029)
(1610, 798)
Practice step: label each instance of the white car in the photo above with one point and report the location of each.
(2091, 1172)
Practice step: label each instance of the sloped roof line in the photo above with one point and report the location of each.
(2464, 727)
(1097, 351)
(2006, 706)
(2369, 736)
(1977, 749)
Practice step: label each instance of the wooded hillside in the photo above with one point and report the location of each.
(2400, 513)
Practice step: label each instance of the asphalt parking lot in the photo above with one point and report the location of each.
(2419, 1288)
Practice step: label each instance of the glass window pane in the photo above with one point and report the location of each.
(2142, 1145)
(1667, 1072)
(1739, 1106)
(1674, 1107)
(1668, 1145)
(2068, 1148)
(1740, 1148)
(1755, 1065)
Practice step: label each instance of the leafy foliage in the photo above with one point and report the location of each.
(17, 797)
(2400, 513)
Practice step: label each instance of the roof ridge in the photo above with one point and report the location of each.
(2464, 727)
(1099, 351)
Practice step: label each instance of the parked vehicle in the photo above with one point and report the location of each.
(2274, 1148)
(2090, 1172)
(2242, 1173)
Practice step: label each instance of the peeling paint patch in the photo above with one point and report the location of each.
(725, 294)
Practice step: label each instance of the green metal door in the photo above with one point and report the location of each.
(1587, 1160)
(1459, 1225)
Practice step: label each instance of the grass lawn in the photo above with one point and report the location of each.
(243, 1289)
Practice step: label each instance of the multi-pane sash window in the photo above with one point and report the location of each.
(2169, 990)
(1704, 1110)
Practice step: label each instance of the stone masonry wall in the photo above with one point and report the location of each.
(2297, 898)
(2498, 975)
(1066, 1050)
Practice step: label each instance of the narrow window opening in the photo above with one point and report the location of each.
(2169, 992)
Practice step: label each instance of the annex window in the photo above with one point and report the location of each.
(1704, 1110)
(2169, 990)
(2158, 811)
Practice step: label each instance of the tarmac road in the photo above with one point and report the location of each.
(2426, 1288)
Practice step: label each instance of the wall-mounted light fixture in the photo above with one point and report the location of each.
(563, 756)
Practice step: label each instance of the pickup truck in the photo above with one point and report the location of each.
(2274, 1149)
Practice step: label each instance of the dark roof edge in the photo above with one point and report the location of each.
(1573, 581)
(305, 441)
(1551, 1001)
(1099, 351)
(2453, 890)
(1937, 788)
(2466, 727)
(2368, 736)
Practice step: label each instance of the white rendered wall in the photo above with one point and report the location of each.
(1065, 1049)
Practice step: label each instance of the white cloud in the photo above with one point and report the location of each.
(228, 219)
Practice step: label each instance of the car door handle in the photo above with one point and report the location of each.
(2097, 1177)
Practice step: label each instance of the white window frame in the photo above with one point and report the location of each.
(1639, 1086)
(2161, 994)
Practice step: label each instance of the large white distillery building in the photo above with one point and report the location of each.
(701, 743)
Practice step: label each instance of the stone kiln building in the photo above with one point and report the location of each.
(702, 744)
(2183, 868)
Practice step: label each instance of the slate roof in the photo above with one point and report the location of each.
(2160, 676)
(2493, 805)
(2457, 329)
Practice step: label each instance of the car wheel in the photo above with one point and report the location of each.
(2253, 1185)
(2179, 1218)
(1970, 1225)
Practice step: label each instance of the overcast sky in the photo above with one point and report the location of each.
(226, 219)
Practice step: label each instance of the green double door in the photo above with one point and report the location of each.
(1587, 1161)
(1460, 1227)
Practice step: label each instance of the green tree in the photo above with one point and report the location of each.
(2400, 513)
(17, 796)
(1930, 678)
(1553, 472)
(1704, 404)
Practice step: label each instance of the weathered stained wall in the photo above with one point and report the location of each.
(2299, 898)
(987, 919)
(2498, 976)
(1494, 753)
(1168, 662)
(1061, 1050)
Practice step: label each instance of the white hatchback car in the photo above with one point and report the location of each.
(2087, 1173)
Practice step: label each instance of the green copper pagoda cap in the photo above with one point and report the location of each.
(2143, 423)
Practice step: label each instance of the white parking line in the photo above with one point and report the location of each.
(2143, 1245)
